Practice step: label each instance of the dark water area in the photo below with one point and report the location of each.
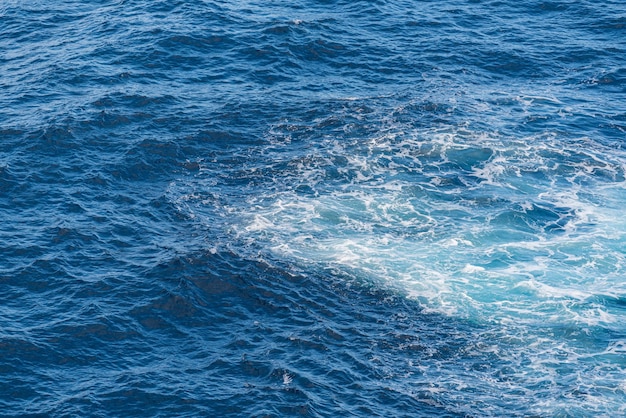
(328, 208)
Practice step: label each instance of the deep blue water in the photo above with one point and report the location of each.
(313, 208)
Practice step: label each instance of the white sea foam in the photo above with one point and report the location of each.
(523, 236)
(471, 224)
(388, 220)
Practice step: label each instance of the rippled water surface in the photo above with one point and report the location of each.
(326, 208)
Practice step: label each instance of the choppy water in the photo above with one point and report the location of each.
(329, 208)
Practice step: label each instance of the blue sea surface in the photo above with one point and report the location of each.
(323, 208)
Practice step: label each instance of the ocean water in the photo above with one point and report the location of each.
(321, 208)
